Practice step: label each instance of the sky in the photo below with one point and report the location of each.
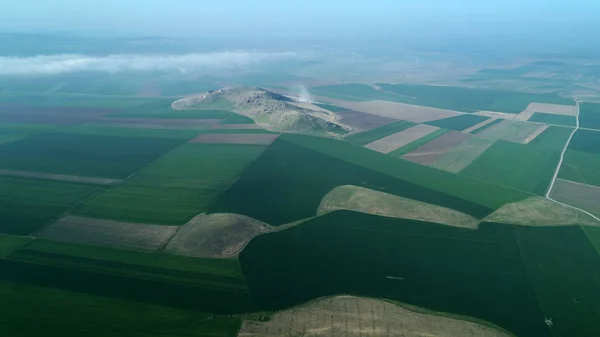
(293, 18)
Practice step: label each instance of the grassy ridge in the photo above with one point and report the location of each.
(39, 311)
(475, 273)
(83, 155)
(458, 123)
(528, 168)
(369, 136)
(27, 204)
(564, 269)
(175, 188)
(553, 119)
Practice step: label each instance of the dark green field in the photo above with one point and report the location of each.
(553, 119)
(399, 152)
(476, 273)
(586, 140)
(355, 92)
(458, 123)
(488, 125)
(162, 109)
(112, 130)
(581, 166)
(523, 167)
(175, 188)
(28, 204)
(589, 115)
(83, 155)
(234, 118)
(366, 137)
(72, 100)
(553, 137)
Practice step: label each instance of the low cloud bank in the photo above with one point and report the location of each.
(185, 63)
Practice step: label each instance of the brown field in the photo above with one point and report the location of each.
(461, 156)
(364, 200)
(430, 152)
(399, 139)
(360, 121)
(235, 126)
(256, 138)
(215, 235)
(13, 113)
(108, 233)
(477, 126)
(583, 196)
(77, 179)
(413, 113)
(513, 131)
(538, 211)
(557, 109)
(349, 316)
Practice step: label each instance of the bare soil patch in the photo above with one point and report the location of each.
(256, 139)
(536, 133)
(580, 195)
(236, 126)
(58, 115)
(215, 235)
(108, 233)
(348, 316)
(77, 179)
(462, 155)
(477, 126)
(360, 121)
(557, 109)
(538, 211)
(364, 200)
(436, 148)
(399, 139)
(513, 131)
(413, 113)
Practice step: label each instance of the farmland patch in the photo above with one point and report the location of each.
(400, 139)
(459, 123)
(518, 166)
(462, 155)
(76, 179)
(581, 167)
(108, 233)
(215, 235)
(401, 151)
(413, 113)
(130, 131)
(235, 127)
(582, 196)
(360, 121)
(589, 115)
(254, 139)
(364, 200)
(10, 243)
(83, 155)
(378, 133)
(554, 137)
(59, 115)
(555, 109)
(482, 126)
(586, 140)
(512, 131)
(436, 148)
(476, 273)
(553, 119)
(351, 316)
(175, 188)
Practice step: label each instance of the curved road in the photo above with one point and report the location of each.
(562, 157)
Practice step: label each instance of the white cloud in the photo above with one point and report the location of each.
(69, 63)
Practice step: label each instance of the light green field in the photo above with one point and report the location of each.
(461, 156)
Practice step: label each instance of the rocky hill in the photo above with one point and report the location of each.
(270, 110)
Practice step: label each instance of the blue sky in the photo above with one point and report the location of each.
(291, 17)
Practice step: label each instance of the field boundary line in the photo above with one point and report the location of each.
(562, 157)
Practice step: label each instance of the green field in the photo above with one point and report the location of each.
(523, 167)
(295, 173)
(589, 115)
(9, 243)
(553, 137)
(39, 311)
(593, 234)
(175, 188)
(331, 107)
(553, 119)
(204, 285)
(162, 109)
(581, 167)
(399, 152)
(100, 129)
(476, 273)
(355, 92)
(72, 100)
(458, 123)
(490, 124)
(586, 140)
(366, 137)
(564, 270)
(27, 204)
(234, 118)
(83, 155)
